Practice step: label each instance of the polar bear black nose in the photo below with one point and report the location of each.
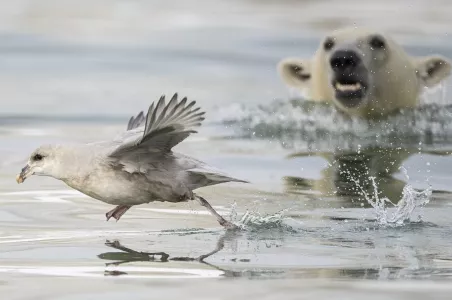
(342, 60)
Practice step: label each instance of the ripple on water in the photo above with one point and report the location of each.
(100, 272)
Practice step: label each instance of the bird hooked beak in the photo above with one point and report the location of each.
(24, 173)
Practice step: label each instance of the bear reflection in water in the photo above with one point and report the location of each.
(350, 174)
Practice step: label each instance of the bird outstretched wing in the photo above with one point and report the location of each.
(165, 126)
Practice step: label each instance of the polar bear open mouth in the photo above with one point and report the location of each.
(350, 92)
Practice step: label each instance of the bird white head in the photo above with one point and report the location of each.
(42, 162)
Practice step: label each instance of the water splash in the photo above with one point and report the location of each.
(299, 123)
(256, 221)
(404, 209)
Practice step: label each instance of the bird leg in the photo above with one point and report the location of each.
(117, 212)
(223, 222)
(219, 247)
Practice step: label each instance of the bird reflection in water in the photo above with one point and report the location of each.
(128, 255)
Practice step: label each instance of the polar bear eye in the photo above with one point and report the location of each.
(297, 71)
(328, 44)
(295, 68)
(377, 42)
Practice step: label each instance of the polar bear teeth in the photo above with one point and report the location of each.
(348, 87)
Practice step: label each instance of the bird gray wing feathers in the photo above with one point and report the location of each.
(165, 126)
(136, 122)
(144, 148)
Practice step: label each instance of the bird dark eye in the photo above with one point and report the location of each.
(328, 44)
(377, 42)
(37, 157)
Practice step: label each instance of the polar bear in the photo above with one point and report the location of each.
(364, 73)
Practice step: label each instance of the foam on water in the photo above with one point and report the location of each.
(255, 221)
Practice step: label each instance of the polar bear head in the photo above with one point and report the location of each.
(364, 73)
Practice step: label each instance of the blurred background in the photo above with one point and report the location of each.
(112, 57)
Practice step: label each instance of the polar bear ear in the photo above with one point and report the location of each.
(295, 72)
(432, 69)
